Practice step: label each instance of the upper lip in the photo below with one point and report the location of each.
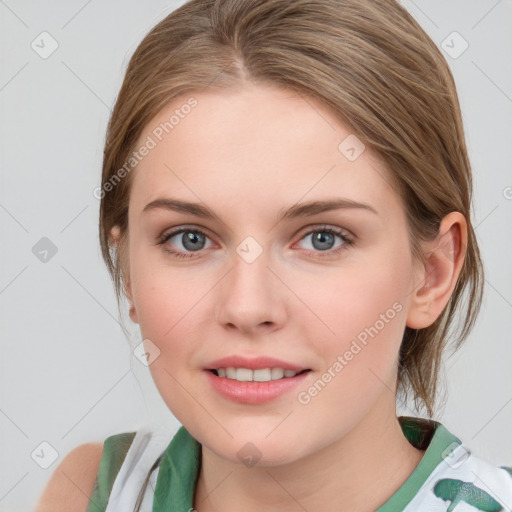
(254, 363)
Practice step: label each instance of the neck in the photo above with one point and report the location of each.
(374, 455)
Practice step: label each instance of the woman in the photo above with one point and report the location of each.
(285, 203)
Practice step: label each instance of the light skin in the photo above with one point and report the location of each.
(248, 155)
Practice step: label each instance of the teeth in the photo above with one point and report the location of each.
(243, 374)
(261, 375)
(277, 373)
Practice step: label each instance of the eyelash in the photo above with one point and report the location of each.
(347, 242)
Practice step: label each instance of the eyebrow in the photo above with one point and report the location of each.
(297, 210)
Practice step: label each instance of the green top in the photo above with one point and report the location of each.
(180, 466)
(181, 462)
(114, 451)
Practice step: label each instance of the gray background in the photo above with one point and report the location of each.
(68, 375)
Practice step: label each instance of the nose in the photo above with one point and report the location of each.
(250, 297)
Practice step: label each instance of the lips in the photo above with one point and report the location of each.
(246, 380)
(254, 393)
(257, 363)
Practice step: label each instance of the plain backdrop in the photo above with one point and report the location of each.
(68, 374)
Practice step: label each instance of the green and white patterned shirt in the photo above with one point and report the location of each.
(146, 471)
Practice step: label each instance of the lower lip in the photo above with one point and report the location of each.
(253, 393)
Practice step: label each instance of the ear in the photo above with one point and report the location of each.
(115, 238)
(440, 272)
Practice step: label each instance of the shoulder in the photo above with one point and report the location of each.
(472, 479)
(72, 482)
(84, 478)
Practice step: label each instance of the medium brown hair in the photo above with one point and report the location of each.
(373, 65)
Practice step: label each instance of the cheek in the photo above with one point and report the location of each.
(359, 313)
(359, 349)
(344, 303)
(162, 296)
(169, 311)
(163, 304)
(167, 318)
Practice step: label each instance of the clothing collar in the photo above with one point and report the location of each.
(438, 442)
(181, 462)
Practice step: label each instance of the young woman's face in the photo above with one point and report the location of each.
(264, 275)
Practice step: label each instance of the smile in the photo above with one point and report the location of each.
(244, 388)
(260, 375)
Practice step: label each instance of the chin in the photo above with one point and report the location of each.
(258, 450)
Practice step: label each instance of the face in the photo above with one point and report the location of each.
(322, 290)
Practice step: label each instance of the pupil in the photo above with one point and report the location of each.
(321, 238)
(189, 239)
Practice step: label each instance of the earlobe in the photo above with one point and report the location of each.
(444, 258)
(115, 234)
(115, 238)
(133, 313)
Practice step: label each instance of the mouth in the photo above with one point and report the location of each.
(258, 375)
(255, 387)
(254, 380)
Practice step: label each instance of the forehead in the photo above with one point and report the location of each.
(258, 145)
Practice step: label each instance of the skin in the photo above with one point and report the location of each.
(247, 155)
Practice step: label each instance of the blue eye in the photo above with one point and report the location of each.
(190, 239)
(324, 238)
(323, 241)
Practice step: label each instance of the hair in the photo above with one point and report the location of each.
(374, 67)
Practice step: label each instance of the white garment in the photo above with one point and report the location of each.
(147, 445)
(463, 466)
(460, 480)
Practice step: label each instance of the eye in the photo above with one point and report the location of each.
(323, 239)
(187, 239)
(193, 240)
